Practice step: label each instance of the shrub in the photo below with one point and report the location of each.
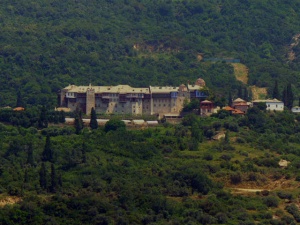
(235, 178)
(271, 201)
(207, 156)
(284, 195)
(294, 211)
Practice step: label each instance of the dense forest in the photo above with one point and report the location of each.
(169, 174)
(48, 44)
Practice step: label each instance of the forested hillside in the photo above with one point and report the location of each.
(169, 174)
(47, 44)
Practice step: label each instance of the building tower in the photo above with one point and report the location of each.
(90, 99)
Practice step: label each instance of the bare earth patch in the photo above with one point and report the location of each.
(258, 93)
(9, 200)
(241, 72)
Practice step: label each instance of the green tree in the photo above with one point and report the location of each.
(275, 93)
(62, 117)
(43, 119)
(47, 154)
(240, 92)
(93, 122)
(285, 97)
(78, 122)
(246, 94)
(19, 102)
(43, 177)
(114, 124)
(54, 180)
(30, 160)
(229, 99)
(290, 96)
(83, 151)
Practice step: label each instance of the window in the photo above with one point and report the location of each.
(276, 106)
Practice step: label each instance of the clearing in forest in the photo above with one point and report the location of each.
(258, 92)
(240, 72)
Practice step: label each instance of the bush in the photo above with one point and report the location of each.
(284, 195)
(294, 211)
(271, 201)
(207, 156)
(114, 124)
(235, 178)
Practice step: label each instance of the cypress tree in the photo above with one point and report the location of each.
(229, 99)
(78, 122)
(26, 179)
(284, 97)
(47, 154)
(83, 151)
(30, 155)
(290, 96)
(93, 122)
(43, 177)
(19, 102)
(62, 117)
(240, 92)
(43, 119)
(246, 95)
(53, 185)
(275, 93)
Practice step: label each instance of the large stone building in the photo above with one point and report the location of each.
(123, 99)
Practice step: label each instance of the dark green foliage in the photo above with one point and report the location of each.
(235, 178)
(43, 177)
(229, 99)
(275, 93)
(43, 119)
(114, 124)
(54, 179)
(78, 123)
(47, 154)
(201, 183)
(271, 201)
(294, 211)
(290, 96)
(19, 102)
(30, 160)
(93, 121)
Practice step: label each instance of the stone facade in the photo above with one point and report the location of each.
(123, 99)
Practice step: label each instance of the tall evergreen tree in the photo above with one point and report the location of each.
(290, 96)
(275, 93)
(83, 151)
(30, 155)
(240, 92)
(26, 178)
(19, 102)
(47, 154)
(53, 186)
(246, 95)
(43, 119)
(229, 99)
(62, 117)
(93, 122)
(43, 176)
(78, 121)
(284, 97)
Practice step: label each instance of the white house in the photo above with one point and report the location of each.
(272, 104)
(296, 109)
